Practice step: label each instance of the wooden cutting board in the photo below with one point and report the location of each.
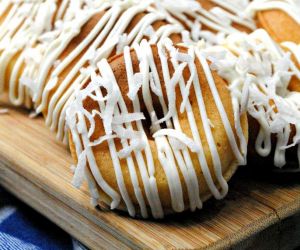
(262, 210)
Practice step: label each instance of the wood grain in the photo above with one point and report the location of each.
(36, 168)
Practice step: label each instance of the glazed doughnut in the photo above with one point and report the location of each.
(281, 19)
(260, 70)
(157, 130)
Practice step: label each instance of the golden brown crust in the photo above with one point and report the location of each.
(279, 25)
(229, 165)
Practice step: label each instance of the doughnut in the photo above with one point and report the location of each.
(261, 70)
(157, 130)
(280, 18)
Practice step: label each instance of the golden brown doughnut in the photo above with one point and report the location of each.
(104, 159)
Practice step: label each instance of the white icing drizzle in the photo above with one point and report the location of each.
(26, 31)
(258, 72)
(50, 27)
(21, 28)
(293, 97)
(291, 7)
(101, 41)
(219, 18)
(174, 147)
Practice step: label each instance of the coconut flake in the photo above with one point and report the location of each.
(195, 31)
(153, 85)
(123, 41)
(28, 82)
(102, 139)
(79, 174)
(33, 114)
(181, 57)
(51, 84)
(245, 94)
(150, 32)
(111, 104)
(176, 144)
(126, 133)
(127, 118)
(171, 92)
(180, 136)
(135, 144)
(221, 14)
(134, 87)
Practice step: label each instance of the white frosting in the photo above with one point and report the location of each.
(293, 97)
(21, 27)
(101, 41)
(219, 18)
(40, 43)
(174, 147)
(50, 27)
(258, 72)
(106, 35)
